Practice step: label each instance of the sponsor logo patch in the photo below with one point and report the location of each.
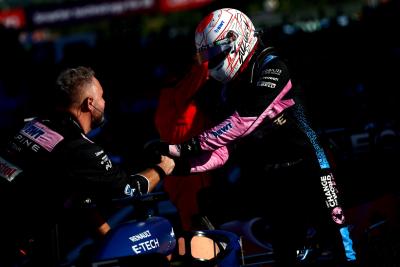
(219, 26)
(141, 245)
(8, 170)
(42, 135)
(222, 130)
(329, 187)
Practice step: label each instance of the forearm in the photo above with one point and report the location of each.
(153, 177)
(216, 137)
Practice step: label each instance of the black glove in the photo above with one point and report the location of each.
(182, 167)
(153, 151)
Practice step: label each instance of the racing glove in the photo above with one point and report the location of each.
(185, 149)
(182, 167)
(153, 150)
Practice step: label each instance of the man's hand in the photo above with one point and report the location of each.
(167, 164)
(156, 172)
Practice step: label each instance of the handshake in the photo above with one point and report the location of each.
(153, 151)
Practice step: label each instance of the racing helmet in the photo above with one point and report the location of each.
(226, 39)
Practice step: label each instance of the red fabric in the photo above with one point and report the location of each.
(177, 119)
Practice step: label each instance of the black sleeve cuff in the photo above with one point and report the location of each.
(190, 148)
(160, 171)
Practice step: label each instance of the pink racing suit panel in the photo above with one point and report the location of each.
(209, 160)
(236, 126)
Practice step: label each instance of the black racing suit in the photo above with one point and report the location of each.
(51, 172)
(285, 172)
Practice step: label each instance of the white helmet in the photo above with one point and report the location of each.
(226, 39)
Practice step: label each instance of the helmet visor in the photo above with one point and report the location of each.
(215, 52)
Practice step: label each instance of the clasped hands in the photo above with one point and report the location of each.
(153, 150)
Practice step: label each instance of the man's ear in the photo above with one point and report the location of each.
(87, 104)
